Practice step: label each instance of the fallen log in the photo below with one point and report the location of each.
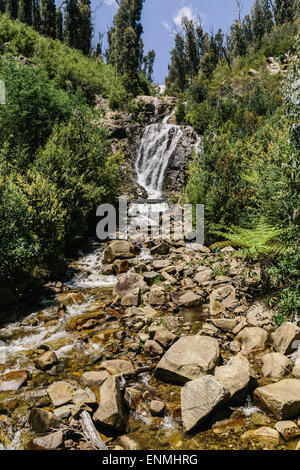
(90, 432)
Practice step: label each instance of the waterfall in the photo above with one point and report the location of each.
(158, 143)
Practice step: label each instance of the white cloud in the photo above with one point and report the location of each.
(184, 11)
(109, 2)
(167, 26)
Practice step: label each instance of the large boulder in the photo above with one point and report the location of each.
(252, 339)
(199, 398)
(110, 414)
(118, 249)
(60, 393)
(285, 338)
(259, 315)
(189, 358)
(13, 380)
(275, 365)
(222, 299)
(280, 399)
(237, 377)
(129, 282)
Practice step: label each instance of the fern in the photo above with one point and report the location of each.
(261, 240)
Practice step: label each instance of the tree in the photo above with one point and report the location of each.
(192, 51)
(72, 24)
(25, 12)
(59, 25)
(86, 27)
(148, 64)
(284, 11)
(36, 15)
(261, 19)
(2, 6)
(48, 18)
(125, 49)
(11, 7)
(177, 79)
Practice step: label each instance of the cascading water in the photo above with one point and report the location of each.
(158, 144)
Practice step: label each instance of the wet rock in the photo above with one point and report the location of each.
(285, 337)
(43, 421)
(120, 266)
(222, 299)
(259, 315)
(164, 337)
(70, 298)
(275, 365)
(84, 397)
(199, 398)
(92, 378)
(63, 412)
(46, 361)
(132, 397)
(127, 443)
(118, 249)
(152, 348)
(157, 408)
(117, 366)
(189, 358)
(261, 434)
(13, 380)
(129, 282)
(288, 429)
(157, 296)
(237, 377)
(52, 441)
(110, 414)
(280, 399)
(252, 340)
(188, 300)
(60, 393)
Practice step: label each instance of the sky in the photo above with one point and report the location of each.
(161, 17)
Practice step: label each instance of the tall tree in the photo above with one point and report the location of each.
(2, 6)
(59, 25)
(261, 19)
(177, 77)
(86, 26)
(36, 15)
(48, 18)
(72, 24)
(192, 51)
(125, 42)
(148, 64)
(25, 12)
(284, 11)
(11, 7)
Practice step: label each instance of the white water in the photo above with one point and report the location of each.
(158, 144)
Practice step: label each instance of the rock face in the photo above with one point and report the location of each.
(13, 380)
(275, 365)
(237, 377)
(285, 337)
(199, 398)
(252, 340)
(110, 414)
(188, 359)
(281, 399)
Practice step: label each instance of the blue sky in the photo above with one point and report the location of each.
(161, 16)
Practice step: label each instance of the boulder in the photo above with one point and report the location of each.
(110, 414)
(258, 315)
(199, 398)
(222, 299)
(252, 339)
(43, 421)
(203, 276)
(46, 360)
(149, 276)
(84, 397)
(158, 264)
(280, 399)
(285, 338)
(275, 365)
(157, 408)
(129, 282)
(288, 429)
(164, 337)
(157, 296)
(120, 266)
(51, 441)
(13, 380)
(187, 299)
(236, 377)
(117, 366)
(189, 358)
(92, 378)
(152, 348)
(118, 249)
(161, 249)
(60, 393)
(226, 324)
(132, 299)
(63, 412)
